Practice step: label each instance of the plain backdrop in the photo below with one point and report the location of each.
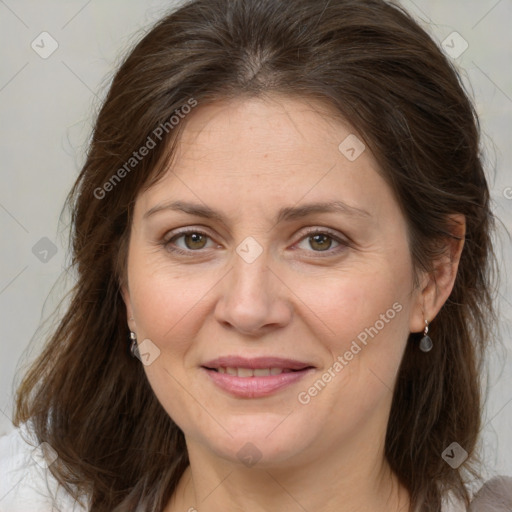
(47, 107)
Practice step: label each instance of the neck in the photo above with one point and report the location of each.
(349, 480)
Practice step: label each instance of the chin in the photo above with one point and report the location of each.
(259, 440)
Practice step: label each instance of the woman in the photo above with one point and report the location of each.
(282, 239)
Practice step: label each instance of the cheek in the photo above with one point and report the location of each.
(167, 309)
(351, 302)
(367, 320)
(365, 317)
(164, 300)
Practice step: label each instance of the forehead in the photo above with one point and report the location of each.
(262, 127)
(252, 153)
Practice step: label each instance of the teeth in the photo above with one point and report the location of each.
(249, 372)
(245, 372)
(261, 372)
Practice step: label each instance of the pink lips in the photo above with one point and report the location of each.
(255, 386)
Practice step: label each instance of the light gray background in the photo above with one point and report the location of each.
(47, 108)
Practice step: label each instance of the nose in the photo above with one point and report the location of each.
(253, 300)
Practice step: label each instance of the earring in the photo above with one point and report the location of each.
(426, 343)
(134, 349)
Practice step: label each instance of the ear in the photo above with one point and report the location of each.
(435, 288)
(125, 293)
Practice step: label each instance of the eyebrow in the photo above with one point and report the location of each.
(285, 214)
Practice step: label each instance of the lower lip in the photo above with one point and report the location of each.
(255, 387)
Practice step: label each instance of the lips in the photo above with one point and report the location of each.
(257, 377)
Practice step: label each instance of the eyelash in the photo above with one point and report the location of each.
(343, 244)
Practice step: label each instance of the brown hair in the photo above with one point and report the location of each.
(371, 64)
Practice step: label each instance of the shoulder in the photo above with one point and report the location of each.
(494, 496)
(25, 480)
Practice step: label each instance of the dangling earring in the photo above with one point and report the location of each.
(134, 349)
(426, 343)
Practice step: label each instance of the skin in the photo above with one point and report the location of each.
(248, 158)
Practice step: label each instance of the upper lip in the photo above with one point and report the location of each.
(256, 362)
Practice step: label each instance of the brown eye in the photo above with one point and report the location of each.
(187, 242)
(320, 242)
(194, 240)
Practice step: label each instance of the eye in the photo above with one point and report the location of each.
(322, 241)
(193, 240)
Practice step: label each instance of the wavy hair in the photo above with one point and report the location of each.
(372, 65)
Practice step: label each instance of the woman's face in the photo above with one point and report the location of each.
(229, 259)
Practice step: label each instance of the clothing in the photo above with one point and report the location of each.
(26, 484)
(450, 504)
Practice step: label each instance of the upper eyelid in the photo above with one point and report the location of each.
(184, 231)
